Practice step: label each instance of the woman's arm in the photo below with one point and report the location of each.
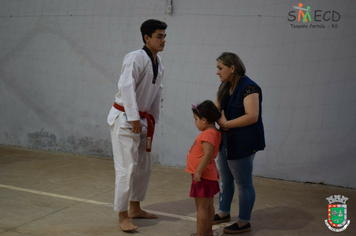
(208, 149)
(252, 109)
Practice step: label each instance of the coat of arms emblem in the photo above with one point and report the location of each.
(337, 213)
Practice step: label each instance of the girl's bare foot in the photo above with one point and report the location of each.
(212, 233)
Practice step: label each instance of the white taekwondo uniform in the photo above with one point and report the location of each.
(139, 90)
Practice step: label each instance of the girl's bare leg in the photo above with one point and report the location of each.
(204, 227)
(211, 213)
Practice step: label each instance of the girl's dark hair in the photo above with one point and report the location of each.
(150, 26)
(207, 110)
(229, 59)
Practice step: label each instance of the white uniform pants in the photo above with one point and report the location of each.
(132, 163)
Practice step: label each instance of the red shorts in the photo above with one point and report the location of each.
(205, 188)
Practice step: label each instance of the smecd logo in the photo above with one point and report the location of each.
(305, 17)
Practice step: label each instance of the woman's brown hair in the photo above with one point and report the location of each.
(230, 59)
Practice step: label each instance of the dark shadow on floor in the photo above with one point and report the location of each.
(279, 218)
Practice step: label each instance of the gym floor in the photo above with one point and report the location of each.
(46, 193)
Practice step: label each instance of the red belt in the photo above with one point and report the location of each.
(150, 125)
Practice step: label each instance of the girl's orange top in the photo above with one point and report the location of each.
(196, 152)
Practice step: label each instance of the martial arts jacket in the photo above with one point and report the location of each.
(139, 89)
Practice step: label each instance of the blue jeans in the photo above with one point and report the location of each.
(241, 171)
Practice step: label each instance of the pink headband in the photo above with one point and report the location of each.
(196, 108)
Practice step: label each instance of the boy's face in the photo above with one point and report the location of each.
(157, 41)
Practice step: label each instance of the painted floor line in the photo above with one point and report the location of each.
(89, 201)
(56, 195)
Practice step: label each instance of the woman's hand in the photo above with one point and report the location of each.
(222, 121)
(252, 109)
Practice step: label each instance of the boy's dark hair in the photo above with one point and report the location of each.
(150, 26)
(207, 110)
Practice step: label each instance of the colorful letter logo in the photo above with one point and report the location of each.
(305, 16)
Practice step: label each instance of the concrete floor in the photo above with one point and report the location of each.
(44, 193)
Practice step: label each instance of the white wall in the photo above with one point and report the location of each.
(60, 61)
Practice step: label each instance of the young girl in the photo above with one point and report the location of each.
(201, 164)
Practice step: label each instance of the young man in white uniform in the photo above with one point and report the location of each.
(131, 120)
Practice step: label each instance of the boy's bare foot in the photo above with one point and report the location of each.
(141, 214)
(126, 225)
(125, 222)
